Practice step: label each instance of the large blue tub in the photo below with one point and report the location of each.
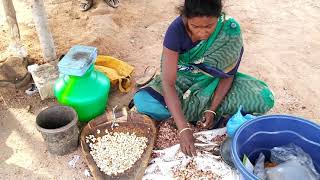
(266, 132)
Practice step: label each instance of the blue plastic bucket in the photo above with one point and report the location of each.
(266, 132)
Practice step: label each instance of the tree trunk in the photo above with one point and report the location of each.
(10, 14)
(15, 47)
(45, 37)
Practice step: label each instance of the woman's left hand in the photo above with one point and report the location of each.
(208, 120)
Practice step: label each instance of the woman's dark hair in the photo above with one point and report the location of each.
(196, 8)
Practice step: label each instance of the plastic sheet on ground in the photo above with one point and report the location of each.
(171, 159)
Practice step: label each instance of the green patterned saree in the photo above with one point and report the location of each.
(201, 68)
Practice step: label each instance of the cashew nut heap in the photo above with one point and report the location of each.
(116, 152)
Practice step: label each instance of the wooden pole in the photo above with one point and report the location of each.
(45, 37)
(11, 19)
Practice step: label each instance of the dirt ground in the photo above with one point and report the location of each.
(282, 42)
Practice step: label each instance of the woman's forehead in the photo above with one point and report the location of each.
(202, 20)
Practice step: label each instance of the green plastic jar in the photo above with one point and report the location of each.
(87, 94)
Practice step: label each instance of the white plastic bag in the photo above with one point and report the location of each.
(294, 164)
(290, 170)
(259, 169)
(170, 159)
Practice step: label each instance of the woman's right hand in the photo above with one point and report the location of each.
(169, 75)
(187, 143)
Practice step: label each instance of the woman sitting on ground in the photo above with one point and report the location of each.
(199, 79)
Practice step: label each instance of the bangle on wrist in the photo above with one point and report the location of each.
(214, 113)
(184, 129)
